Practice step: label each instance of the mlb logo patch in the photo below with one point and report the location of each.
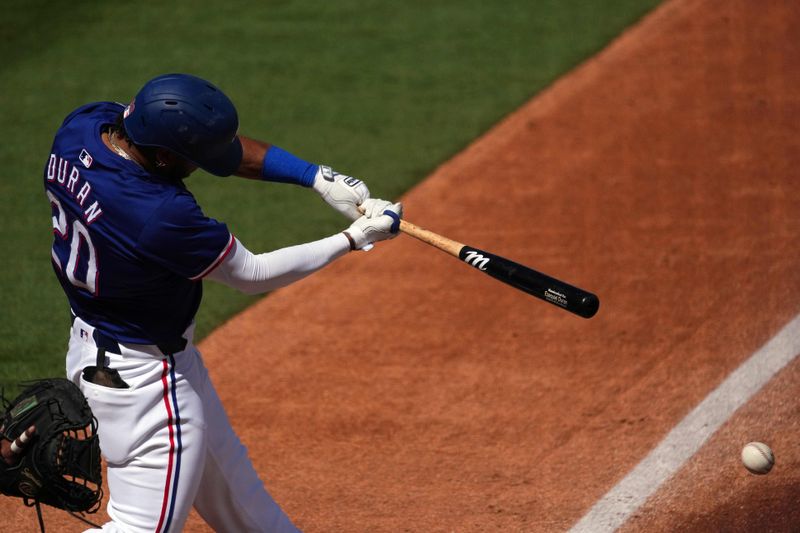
(86, 158)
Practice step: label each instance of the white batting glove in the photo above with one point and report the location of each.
(374, 207)
(367, 230)
(343, 193)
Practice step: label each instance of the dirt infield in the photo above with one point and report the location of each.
(400, 391)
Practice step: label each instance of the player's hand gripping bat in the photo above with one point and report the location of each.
(542, 286)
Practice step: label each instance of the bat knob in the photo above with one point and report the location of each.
(588, 306)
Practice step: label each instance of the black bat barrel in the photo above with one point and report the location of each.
(542, 286)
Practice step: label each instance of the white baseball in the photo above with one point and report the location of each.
(757, 457)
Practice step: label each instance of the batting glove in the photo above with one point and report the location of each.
(367, 230)
(343, 193)
(374, 207)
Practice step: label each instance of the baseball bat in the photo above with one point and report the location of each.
(542, 286)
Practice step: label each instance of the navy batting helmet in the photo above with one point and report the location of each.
(189, 116)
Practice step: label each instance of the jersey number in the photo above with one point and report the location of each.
(79, 235)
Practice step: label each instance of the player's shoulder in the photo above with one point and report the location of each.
(176, 202)
(94, 111)
(159, 197)
(139, 207)
(176, 218)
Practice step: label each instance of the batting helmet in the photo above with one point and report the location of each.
(189, 116)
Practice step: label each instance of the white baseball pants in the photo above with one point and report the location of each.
(168, 443)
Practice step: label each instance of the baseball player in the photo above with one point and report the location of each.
(131, 249)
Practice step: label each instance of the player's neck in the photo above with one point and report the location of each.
(125, 149)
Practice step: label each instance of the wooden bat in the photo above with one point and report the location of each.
(542, 286)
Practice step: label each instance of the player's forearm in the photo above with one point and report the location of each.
(262, 161)
(255, 274)
(267, 162)
(253, 152)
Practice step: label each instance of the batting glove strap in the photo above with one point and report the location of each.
(396, 220)
(343, 193)
(365, 230)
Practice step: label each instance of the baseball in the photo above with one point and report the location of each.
(757, 457)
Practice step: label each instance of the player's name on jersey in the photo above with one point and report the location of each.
(62, 172)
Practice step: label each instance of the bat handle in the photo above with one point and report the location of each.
(428, 237)
(434, 239)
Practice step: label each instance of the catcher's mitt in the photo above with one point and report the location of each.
(59, 461)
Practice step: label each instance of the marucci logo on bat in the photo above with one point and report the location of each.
(477, 260)
(539, 285)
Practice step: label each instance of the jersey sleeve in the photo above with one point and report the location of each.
(182, 239)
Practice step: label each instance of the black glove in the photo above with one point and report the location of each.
(50, 449)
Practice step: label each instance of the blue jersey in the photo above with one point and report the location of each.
(130, 248)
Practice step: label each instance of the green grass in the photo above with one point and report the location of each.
(382, 90)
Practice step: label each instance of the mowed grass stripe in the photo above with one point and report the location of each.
(385, 91)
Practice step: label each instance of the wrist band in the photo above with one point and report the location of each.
(282, 167)
(352, 242)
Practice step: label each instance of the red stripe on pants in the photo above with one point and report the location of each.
(171, 446)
